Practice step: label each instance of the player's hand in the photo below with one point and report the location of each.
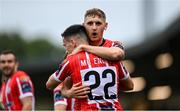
(77, 50)
(67, 84)
(76, 91)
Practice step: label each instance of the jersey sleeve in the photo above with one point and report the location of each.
(25, 86)
(118, 44)
(62, 72)
(124, 74)
(58, 98)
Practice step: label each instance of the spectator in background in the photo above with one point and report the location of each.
(17, 92)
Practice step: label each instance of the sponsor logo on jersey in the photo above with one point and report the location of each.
(26, 87)
(58, 96)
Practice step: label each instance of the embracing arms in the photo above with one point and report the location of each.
(109, 53)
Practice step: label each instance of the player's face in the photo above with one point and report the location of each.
(95, 27)
(8, 64)
(68, 45)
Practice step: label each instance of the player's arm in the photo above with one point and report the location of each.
(59, 76)
(60, 107)
(52, 82)
(127, 84)
(76, 91)
(109, 53)
(25, 87)
(60, 103)
(27, 103)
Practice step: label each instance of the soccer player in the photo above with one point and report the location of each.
(102, 76)
(17, 92)
(95, 24)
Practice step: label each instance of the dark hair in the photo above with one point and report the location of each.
(75, 30)
(5, 52)
(95, 12)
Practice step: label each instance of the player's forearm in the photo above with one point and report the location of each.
(60, 107)
(51, 83)
(76, 91)
(27, 103)
(112, 53)
(127, 85)
(27, 107)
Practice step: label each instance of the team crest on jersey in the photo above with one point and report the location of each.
(23, 79)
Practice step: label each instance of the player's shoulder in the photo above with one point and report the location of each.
(113, 41)
(107, 43)
(75, 56)
(108, 40)
(21, 73)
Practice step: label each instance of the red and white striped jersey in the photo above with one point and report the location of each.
(109, 43)
(101, 75)
(14, 89)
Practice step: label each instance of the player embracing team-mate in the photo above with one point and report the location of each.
(104, 78)
(95, 24)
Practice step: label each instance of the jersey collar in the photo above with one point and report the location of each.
(102, 42)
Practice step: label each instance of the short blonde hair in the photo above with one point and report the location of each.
(95, 12)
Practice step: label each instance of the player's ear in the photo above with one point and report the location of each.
(16, 65)
(106, 25)
(73, 42)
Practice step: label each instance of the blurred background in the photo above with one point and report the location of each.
(149, 30)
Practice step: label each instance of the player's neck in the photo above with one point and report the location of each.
(82, 43)
(97, 43)
(6, 77)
